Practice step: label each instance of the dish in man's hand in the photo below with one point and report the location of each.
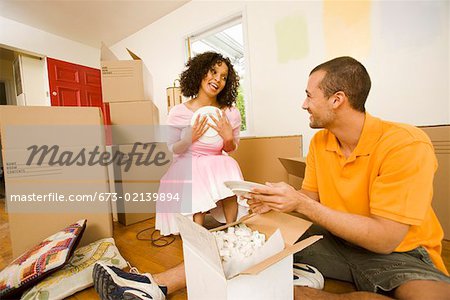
(241, 188)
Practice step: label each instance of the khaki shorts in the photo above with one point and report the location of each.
(380, 273)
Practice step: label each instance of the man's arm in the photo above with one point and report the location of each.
(312, 195)
(374, 233)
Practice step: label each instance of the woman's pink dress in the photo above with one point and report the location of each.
(198, 175)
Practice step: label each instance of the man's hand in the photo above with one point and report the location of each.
(276, 196)
(255, 205)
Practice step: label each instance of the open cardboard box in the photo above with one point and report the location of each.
(295, 167)
(124, 80)
(269, 149)
(270, 278)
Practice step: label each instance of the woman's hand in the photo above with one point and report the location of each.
(222, 126)
(199, 128)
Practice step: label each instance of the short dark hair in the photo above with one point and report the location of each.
(348, 75)
(198, 67)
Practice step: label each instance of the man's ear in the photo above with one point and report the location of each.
(339, 98)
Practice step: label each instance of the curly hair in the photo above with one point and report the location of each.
(198, 67)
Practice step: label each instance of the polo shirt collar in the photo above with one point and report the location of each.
(370, 135)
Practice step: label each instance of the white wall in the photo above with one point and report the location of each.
(23, 37)
(404, 45)
(409, 62)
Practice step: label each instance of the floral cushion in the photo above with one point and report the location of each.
(77, 274)
(40, 261)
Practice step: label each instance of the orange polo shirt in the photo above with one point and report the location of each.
(389, 174)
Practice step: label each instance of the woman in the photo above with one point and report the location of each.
(201, 167)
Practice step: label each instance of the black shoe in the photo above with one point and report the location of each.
(111, 283)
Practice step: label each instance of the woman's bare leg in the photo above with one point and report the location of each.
(199, 218)
(230, 209)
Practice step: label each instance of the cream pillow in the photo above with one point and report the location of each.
(77, 274)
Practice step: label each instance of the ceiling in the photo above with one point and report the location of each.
(89, 22)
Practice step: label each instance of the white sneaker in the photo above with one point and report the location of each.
(111, 283)
(306, 275)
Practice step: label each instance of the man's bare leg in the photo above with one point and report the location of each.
(423, 289)
(174, 279)
(306, 293)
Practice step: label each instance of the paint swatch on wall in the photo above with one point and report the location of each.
(347, 29)
(292, 38)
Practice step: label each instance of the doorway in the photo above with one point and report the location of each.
(3, 98)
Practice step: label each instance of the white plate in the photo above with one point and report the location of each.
(211, 136)
(241, 188)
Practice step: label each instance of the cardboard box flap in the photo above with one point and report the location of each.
(106, 53)
(280, 255)
(134, 56)
(198, 238)
(295, 165)
(291, 227)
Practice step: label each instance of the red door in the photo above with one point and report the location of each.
(73, 85)
(76, 85)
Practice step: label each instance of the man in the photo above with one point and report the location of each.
(368, 186)
(368, 189)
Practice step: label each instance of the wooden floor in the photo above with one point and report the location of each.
(148, 258)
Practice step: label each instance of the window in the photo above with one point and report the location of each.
(227, 39)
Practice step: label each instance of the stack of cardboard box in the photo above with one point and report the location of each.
(46, 157)
(126, 87)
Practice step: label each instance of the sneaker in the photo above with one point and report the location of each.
(111, 283)
(306, 275)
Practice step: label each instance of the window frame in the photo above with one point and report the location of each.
(222, 24)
